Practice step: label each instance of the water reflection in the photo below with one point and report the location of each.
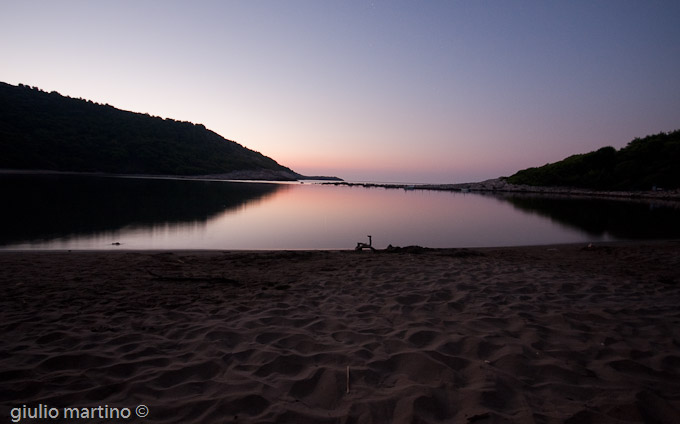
(41, 207)
(68, 212)
(328, 217)
(618, 218)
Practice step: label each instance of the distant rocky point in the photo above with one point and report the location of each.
(646, 168)
(501, 185)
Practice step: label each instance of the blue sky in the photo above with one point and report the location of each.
(419, 91)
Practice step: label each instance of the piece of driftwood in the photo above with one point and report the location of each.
(362, 246)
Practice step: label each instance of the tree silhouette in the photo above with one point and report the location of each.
(643, 164)
(40, 130)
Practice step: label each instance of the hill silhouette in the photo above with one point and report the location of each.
(48, 131)
(644, 164)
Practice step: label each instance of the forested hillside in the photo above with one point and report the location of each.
(48, 131)
(644, 164)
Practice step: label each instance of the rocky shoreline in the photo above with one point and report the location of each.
(500, 185)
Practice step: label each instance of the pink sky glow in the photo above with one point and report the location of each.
(437, 91)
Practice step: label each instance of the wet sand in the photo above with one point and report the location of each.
(545, 334)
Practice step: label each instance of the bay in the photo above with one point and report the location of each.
(96, 212)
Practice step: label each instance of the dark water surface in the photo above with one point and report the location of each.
(85, 212)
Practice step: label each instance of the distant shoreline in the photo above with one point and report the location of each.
(495, 185)
(500, 185)
(257, 175)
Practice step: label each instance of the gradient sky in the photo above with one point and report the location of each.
(418, 91)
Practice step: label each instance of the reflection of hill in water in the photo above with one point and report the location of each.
(39, 207)
(621, 219)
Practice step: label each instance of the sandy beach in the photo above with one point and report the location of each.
(544, 334)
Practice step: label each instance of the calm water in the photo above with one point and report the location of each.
(75, 212)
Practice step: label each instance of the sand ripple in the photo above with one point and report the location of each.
(524, 335)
